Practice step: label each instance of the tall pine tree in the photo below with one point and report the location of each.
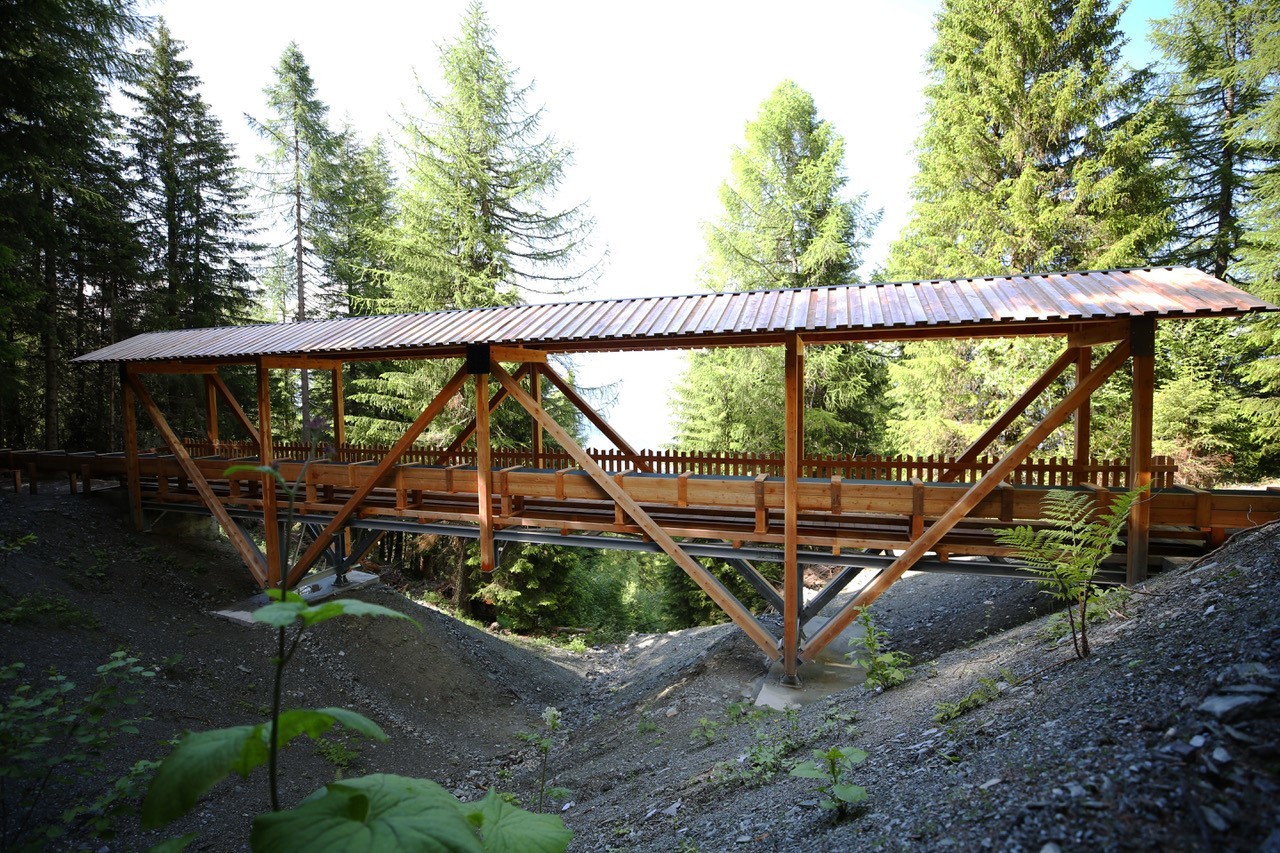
(477, 227)
(1037, 154)
(1260, 257)
(191, 198)
(787, 223)
(62, 196)
(1206, 44)
(299, 177)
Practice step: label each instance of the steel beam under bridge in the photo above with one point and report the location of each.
(967, 566)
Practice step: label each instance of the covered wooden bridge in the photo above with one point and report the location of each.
(795, 510)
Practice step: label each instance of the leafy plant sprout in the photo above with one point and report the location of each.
(285, 647)
(551, 719)
(1066, 554)
(833, 768)
(884, 668)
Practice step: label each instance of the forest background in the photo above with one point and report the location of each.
(124, 208)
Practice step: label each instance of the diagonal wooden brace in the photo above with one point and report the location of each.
(1018, 406)
(703, 578)
(971, 498)
(469, 430)
(253, 558)
(223, 391)
(384, 466)
(592, 415)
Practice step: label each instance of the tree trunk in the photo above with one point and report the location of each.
(49, 338)
(304, 401)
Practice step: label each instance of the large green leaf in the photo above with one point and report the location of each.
(280, 614)
(809, 770)
(314, 723)
(348, 607)
(849, 793)
(508, 829)
(200, 761)
(381, 812)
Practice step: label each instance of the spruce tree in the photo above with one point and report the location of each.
(191, 199)
(1038, 154)
(299, 178)
(1260, 255)
(358, 208)
(787, 223)
(61, 191)
(477, 226)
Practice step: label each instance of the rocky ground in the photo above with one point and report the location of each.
(1165, 739)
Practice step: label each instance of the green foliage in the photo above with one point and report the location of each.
(383, 812)
(987, 690)
(772, 741)
(531, 586)
(1039, 152)
(884, 668)
(1065, 555)
(686, 605)
(54, 739)
(12, 544)
(1038, 146)
(203, 759)
(543, 743)
(1197, 422)
(786, 223)
(832, 769)
(378, 812)
(1103, 605)
(57, 610)
(1260, 255)
(192, 197)
(706, 731)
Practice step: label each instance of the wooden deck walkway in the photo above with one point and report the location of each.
(837, 516)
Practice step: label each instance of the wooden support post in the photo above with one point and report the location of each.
(917, 509)
(971, 498)
(707, 581)
(248, 552)
(86, 478)
(1010, 414)
(1142, 343)
(442, 458)
(484, 473)
(339, 409)
(535, 391)
(1084, 414)
(211, 409)
(633, 456)
(133, 473)
(793, 444)
(352, 505)
(270, 504)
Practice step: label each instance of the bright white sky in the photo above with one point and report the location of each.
(651, 97)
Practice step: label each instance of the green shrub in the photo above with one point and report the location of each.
(54, 739)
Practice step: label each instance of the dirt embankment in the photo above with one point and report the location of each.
(1166, 738)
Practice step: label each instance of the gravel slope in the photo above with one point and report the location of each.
(1165, 739)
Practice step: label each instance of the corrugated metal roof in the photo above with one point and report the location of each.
(1023, 304)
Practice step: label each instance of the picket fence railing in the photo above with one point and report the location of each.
(1055, 471)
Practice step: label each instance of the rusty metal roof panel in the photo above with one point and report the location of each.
(710, 319)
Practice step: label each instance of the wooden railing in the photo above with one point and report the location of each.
(1108, 473)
